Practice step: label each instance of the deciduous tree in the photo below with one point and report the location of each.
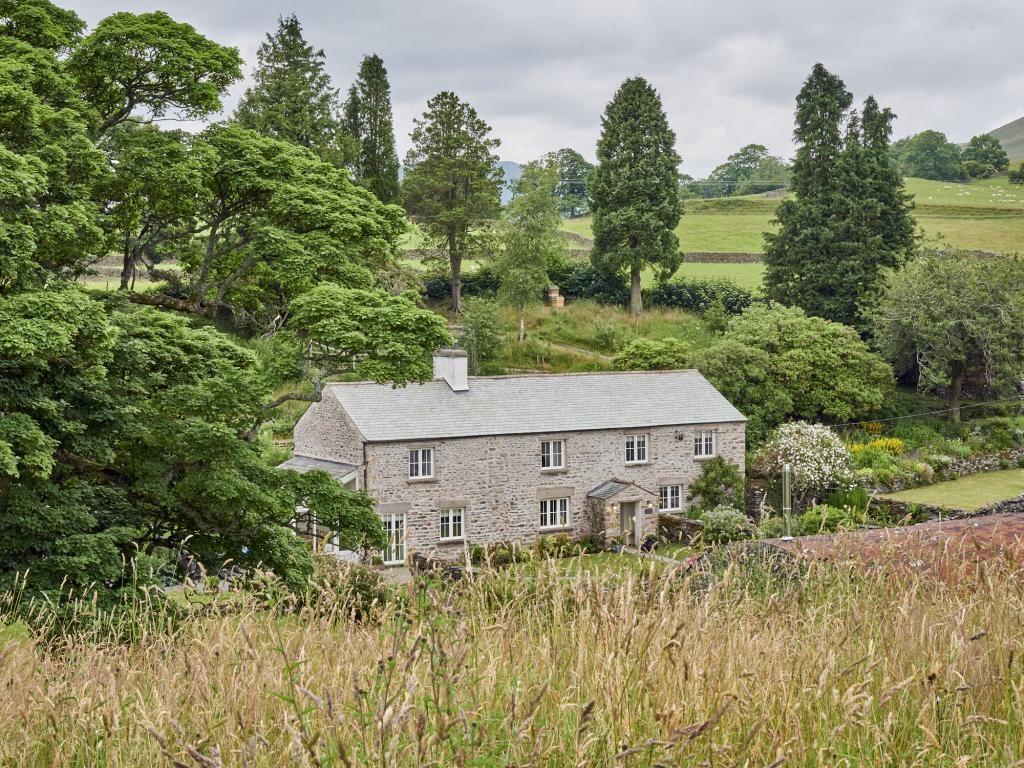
(984, 156)
(635, 188)
(530, 240)
(151, 64)
(452, 181)
(957, 321)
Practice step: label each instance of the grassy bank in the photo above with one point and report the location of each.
(967, 493)
(986, 215)
(613, 669)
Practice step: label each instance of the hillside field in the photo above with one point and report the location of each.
(984, 215)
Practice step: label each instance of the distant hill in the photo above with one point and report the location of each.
(512, 172)
(1011, 136)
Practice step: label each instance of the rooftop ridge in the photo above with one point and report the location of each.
(537, 375)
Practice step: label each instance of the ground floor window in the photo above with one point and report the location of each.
(394, 529)
(451, 524)
(554, 513)
(670, 497)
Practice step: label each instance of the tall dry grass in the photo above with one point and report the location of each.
(838, 669)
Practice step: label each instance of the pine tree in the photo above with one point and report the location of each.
(368, 118)
(292, 98)
(635, 188)
(452, 181)
(849, 216)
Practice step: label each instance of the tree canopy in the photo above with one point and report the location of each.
(984, 156)
(452, 179)
(955, 323)
(635, 188)
(369, 120)
(128, 432)
(849, 217)
(530, 240)
(292, 98)
(930, 155)
(150, 62)
(571, 190)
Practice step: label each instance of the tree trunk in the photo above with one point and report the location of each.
(204, 273)
(455, 259)
(522, 325)
(636, 302)
(128, 264)
(956, 386)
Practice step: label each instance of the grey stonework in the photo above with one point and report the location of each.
(499, 480)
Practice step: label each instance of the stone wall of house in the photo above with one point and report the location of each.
(499, 481)
(326, 432)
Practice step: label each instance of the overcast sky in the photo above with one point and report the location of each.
(541, 71)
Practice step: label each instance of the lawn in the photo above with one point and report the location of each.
(987, 215)
(967, 493)
(749, 276)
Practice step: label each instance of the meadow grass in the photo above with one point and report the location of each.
(967, 493)
(604, 329)
(841, 668)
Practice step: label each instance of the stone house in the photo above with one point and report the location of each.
(459, 460)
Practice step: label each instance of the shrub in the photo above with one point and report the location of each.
(480, 282)
(581, 280)
(724, 524)
(818, 458)
(824, 518)
(701, 295)
(482, 332)
(652, 355)
(719, 484)
(772, 528)
(855, 498)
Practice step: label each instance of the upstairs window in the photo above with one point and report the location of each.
(421, 463)
(552, 454)
(636, 449)
(704, 443)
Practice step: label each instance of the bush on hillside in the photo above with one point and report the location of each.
(581, 280)
(700, 295)
(481, 282)
(652, 355)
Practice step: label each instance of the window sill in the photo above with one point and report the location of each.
(637, 463)
(421, 480)
(459, 540)
(554, 470)
(556, 529)
(673, 511)
(706, 457)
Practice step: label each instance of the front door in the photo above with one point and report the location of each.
(394, 527)
(627, 522)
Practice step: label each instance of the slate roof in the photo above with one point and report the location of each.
(532, 404)
(608, 488)
(303, 464)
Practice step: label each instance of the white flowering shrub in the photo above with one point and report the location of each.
(818, 458)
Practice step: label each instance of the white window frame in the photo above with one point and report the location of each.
(637, 445)
(418, 459)
(705, 443)
(554, 513)
(550, 451)
(394, 551)
(665, 497)
(452, 524)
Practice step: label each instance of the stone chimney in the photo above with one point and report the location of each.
(452, 365)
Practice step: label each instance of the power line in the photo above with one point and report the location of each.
(928, 413)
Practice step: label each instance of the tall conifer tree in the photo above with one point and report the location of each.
(635, 188)
(368, 117)
(292, 98)
(849, 216)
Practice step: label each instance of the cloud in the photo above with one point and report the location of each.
(541, 72)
